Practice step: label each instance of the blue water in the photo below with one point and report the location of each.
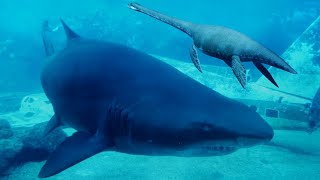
(275, 24)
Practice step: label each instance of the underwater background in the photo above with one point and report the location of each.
(276, 24)
(290, 28)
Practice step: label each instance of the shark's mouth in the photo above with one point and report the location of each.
(218, 148)
(209, 148)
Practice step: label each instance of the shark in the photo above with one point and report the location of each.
(120, 99)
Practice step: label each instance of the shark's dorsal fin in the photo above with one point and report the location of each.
(69, 32)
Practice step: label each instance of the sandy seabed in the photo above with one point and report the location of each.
(259, 162)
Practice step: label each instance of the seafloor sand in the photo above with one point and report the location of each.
(260, 162)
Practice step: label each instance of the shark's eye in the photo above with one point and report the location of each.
(202, 127)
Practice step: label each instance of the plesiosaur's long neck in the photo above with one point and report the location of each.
(177, 23)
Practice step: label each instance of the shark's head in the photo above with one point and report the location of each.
(204, 135)
(205, 131)
(220, 132)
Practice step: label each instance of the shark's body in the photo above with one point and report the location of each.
(120, 99)
(223, 43)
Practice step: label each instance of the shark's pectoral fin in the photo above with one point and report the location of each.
(74, 149)
(195, 58)
(238, 70)
(52, 124)
(265, 72)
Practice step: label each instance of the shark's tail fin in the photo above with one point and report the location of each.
(47, 42)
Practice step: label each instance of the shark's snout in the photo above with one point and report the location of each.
(267, 133)
(252, 138)
(259, 137)
(257, 132)
(248, 127)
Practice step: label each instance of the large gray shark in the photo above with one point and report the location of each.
(120, 99)
(223, 43)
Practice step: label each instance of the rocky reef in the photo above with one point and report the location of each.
(25, 144)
